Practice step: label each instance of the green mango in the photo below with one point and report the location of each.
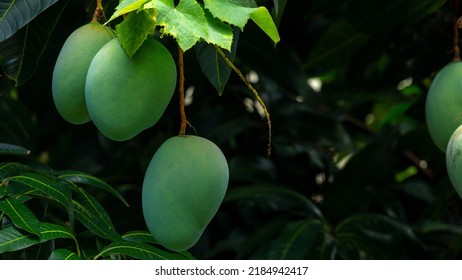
(454, 160)
(70, 72)
(443, 107)
(183, 187)
(128, 95)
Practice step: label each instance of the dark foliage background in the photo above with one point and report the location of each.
(353, 173)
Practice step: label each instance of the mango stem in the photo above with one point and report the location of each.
(184, 120)
(457, 26)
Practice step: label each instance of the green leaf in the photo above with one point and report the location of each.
(378, 227)
(93, 216)
(11, 239)
(236, 13)
(21, 216)
(11, 149)
(49, 231)
(337, 45)
(381, 16)
(348, 34)
(21, 53)
(16, 121)
(212, 64)
(10, 169)
(3, 192)
(276, 6)
(127, 6)
(274, 196)
(77, 177)
(63, 254)
(134, 30)
(139, 251)
(188, 23)
(16, 14)
(139, 236)
(57, 190)
(296, 240)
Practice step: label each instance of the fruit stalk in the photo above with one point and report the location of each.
(98, 10)
(184, 120)
(457, 26)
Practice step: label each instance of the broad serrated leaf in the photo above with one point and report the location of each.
(63, 254)
(139, 251)
(21, 216)
(12, 239)
(14, 14)
(11, 149)
(212, 64)
(235, 13)
(139, 236)
(188, 24)
(127, 6)
(53, 188)
(77, 177)
(21, 53)
(134, 30)
(93, 216)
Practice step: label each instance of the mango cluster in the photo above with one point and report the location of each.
(95, 80)
(443, 110)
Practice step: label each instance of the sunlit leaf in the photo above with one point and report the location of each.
(188, 23)
(235, 13)
(134, 30)
(127, 6)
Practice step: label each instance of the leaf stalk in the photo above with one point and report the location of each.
(254, 92)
